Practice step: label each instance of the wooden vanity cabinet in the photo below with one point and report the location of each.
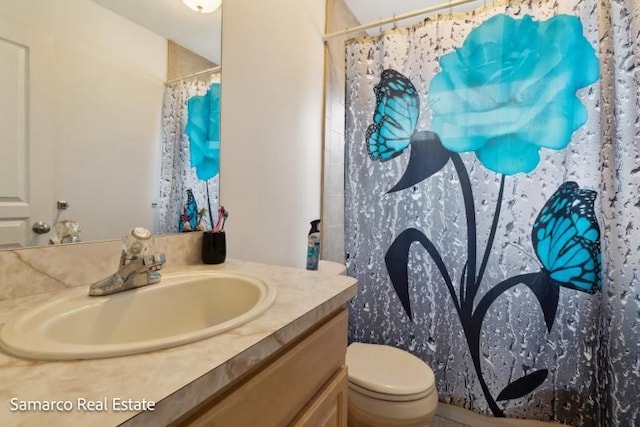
(304, 384)
(329, 407)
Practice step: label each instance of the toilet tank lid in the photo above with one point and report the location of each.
(331, 267)
(388, 370)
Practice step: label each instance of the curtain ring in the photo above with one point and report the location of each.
(395, 24)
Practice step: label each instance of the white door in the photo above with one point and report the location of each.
(26, 134)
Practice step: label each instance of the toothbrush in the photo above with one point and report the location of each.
(218, 225)
(225, 215)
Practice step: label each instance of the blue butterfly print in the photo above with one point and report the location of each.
(192, 210)
(190, 213)
(566, 239)
(395, 117)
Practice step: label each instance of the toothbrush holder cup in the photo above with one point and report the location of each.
(214, 247)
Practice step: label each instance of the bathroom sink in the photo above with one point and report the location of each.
(182, 308)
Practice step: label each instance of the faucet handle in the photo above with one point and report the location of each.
(154, 262)
(137, 242)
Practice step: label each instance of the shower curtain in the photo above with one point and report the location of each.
(177, 175)
(492, 212)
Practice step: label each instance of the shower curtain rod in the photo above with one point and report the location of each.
(199, 73)
(394, 19)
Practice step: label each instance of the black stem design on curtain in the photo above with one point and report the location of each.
(396, 261)
(211, 224)
(471, 328)
(492, 233)
(547, 297)
(544, 288)
(470, 213)
(463, 278)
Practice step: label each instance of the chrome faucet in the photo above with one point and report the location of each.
(135, 269)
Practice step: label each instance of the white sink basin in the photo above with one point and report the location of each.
(181, 309)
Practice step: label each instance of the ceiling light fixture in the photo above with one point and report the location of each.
(203, 6)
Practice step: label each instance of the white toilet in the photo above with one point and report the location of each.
(389, 387)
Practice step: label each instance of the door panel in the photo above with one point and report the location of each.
(26, 169)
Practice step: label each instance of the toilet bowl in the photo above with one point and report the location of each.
(389, 387)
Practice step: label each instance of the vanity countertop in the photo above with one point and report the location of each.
(176, 379)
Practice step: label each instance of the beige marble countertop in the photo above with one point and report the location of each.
(178, 378)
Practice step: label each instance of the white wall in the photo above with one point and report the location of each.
(338, 17)
(271, 124)
(107, 75)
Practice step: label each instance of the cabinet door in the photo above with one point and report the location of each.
(276, 394)
(329, 407)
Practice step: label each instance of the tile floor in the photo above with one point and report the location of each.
(443, 422)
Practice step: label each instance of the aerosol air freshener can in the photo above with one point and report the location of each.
(313, 246)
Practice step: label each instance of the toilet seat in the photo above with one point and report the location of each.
(390, 397)
(388, 373)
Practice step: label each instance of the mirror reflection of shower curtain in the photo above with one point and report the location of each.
(584, 371)
(176, 174)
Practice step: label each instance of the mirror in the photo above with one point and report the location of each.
(84, 104)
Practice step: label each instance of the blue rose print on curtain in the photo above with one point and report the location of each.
(507, 92)
(203, 130)
(511, 90)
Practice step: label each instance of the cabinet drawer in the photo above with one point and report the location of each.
(280, 390)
